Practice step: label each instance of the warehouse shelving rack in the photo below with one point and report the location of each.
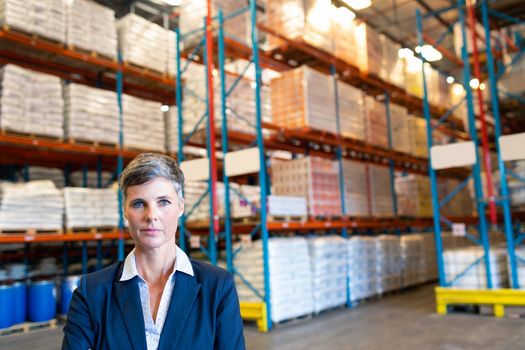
(29, 51)
(446, 294)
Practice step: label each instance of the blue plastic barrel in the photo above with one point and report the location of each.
(6, 305)
(19, 302)
(69, 285)
(41, 301)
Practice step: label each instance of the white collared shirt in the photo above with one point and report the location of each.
(154, 328)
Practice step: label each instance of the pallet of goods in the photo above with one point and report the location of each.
(142, 119)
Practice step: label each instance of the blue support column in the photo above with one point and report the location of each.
(497, 133)
(391, 164)
(262, 170)
(226, 180)
(120, 159)
(431, 171)
(476, 171)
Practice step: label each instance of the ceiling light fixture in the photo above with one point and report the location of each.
(164, 108)
(358, 4)
(450, 79)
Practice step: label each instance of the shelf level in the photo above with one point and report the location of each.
(37, 238)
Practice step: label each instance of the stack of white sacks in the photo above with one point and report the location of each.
(287, 206)
(171, 118)
(362, 267)
(46, 18)
(194, 94)
(30, 102)
(388, 252)
(89, 207)
(42, 173)
(245, 201)
(328, 257)
(457, 262)
(291, 293)
(143, 124)
(91, 27)
(143, 43)
(31, 205)
(76, 179)
(429, 255)
(520, 257)
(91, 114)
(193, 191)
(413, 264)
(356, 188)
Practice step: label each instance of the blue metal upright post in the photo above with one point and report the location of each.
(431, 171)
(262, 171)
(226, 180)
(476, 171)
(497, 133)
(120, 159)
(390, 146)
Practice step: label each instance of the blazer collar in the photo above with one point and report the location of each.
(182, 300)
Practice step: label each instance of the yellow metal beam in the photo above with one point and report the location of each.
(499, 298)
(255, 311)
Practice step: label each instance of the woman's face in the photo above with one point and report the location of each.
(152, 210)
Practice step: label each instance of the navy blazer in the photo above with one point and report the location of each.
(204, 313)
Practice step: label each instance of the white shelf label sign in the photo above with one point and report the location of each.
(459, 230)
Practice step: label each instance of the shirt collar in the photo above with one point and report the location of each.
(182, 264)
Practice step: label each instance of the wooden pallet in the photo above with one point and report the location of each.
(7, 28)
(92, 230)
(32, 136)
(295, 320)
(287, 218)
(91, 53)
(77, 141)
(27, 327)
(144, 69)
(31, 231)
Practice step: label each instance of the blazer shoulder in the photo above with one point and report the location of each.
(204, 271)
(103, 276)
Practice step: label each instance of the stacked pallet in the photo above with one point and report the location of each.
(418, 130)
(42, 173)
(171, 64)
(429, 257)
(351, 111)
(143, 43)
(76, 179)
(376, 122)
(31, 205)
(303, 97)
(246, 201)
(143, 124)
(91, 27)
(171, 120)
(291, 293)
(194, 191)
(328, 256)
(461, 204)
(413, 195)
(459, 271)
(414, 76)
(362, 267)
(344, 36)
(46, 18)
(88, 207)
(399, 123)
(313, 178)
(369, 50)
(356, 188)
(413, 268)
(287, 206)
(389, 263)
(380, 191)
(194, 95)
(30, 102)
(91, 114)
(520, 254)
(308, 21)
(392, 67)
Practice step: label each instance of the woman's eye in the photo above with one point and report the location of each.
(137, 205)
(164, 202)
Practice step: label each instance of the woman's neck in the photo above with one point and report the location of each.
(155, 265)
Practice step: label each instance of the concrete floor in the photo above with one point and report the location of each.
(403, 321)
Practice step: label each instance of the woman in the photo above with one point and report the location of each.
(157, 298)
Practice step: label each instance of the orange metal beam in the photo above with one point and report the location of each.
(36, 238)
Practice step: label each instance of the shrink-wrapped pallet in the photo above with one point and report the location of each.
(143, 43)
(459, 269)
(197, 200)
(401, 133)
(45, 18)
(429, 257)
(287, 206)
(308, 21)
(303, 97)
(42, 173)
(389, 263)
(313, 178)
(517, 187)
(351, 111)
(91, 114)
(418, 130)
(344, 35)
(369, 54)
(91, 27)
(76, 179)
(356, 188)
(413, 195)
(31, 102)
(380, 191)
(171, 120)
(291, 292)
(31, 205)
(392, 67)
(362, 267)
(376, 122)
(143, 124)
(413, 268)
(90, 207)
(328, 256)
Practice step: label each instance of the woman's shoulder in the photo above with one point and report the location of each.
(105, 276)
(206, 271)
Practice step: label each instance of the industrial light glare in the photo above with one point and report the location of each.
(358, 4)
(450, 79)
(343, 14)
(164, 108)
(405, 53)
(418, 49)
(482, 86)
(253, 85)
(430, 53)
(457, 89)
(474, 83)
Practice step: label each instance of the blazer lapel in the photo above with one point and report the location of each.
(128, 299)
(182, 300)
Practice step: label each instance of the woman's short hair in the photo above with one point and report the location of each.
(148, 166)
